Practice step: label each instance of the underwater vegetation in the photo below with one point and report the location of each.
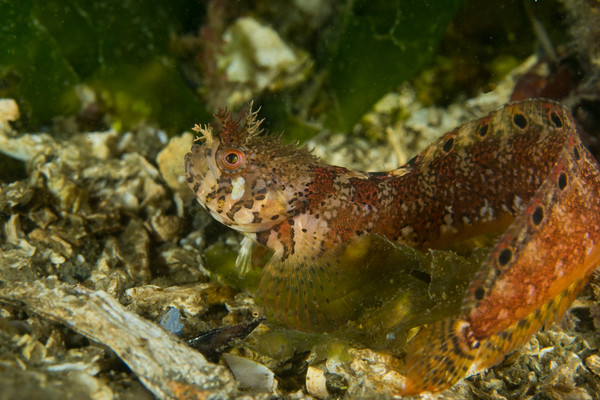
(110, 62)
(120, 50)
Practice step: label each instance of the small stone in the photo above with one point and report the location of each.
(593, 363)
(9, 110)
(316, 383)
(250, 374)
(170, 163)
(171, 321)
(166, 227)
(56, 258)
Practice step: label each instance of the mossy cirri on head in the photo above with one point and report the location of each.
(246, 181)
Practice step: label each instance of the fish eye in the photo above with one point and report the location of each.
(232, 159)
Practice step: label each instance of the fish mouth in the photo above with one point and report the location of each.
(195, 171)
(189, 161)
(201, 172)
(196, 164)
(192, 174)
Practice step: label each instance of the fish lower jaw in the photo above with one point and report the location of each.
(241, 227)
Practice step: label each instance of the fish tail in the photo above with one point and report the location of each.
(493, 349)
(445, 352)
(439, 356)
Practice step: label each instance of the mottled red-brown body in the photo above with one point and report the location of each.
(566, 215)
(444, 195)
(520, 170)
(533, 273)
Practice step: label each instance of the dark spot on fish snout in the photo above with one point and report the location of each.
(479, 293)
(483, 130)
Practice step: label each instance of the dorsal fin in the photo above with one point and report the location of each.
(531, 276)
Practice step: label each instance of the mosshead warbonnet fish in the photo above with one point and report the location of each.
(521, 171)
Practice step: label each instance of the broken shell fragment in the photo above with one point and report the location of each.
(316, 383)
(9, 110)
(250, 374)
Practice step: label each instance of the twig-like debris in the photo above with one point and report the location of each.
(162, 362)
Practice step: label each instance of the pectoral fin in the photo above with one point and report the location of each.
(323, 292)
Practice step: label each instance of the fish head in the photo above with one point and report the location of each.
(247, 181)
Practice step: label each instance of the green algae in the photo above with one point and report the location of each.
(123, 52)
(220, 261)
(418, 288)
(130, 54)
(32, 66)
(119, 49)
(380, 45)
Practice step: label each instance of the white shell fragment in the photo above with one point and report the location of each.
(316, 383)
(9, 110)
(250, 374)
(170, 165)
(255, 55)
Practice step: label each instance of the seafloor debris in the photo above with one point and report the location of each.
(79, 230)
(215, 341)
(163, 364)
(250, 374)
(9, 111)
(254, 58)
